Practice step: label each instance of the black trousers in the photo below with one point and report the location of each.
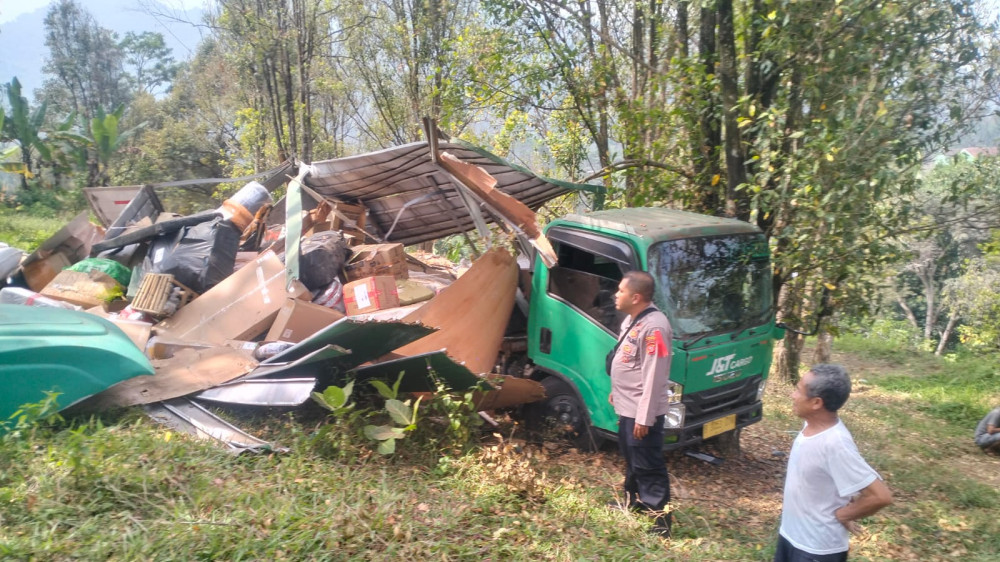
(647, 483)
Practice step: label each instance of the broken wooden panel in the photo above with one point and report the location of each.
(108, 203)
(417, 369)
(483, 185)
(471, 314)
(73, 241)
(188, 371)
(508, 391)
(365, 340)
(188, 417)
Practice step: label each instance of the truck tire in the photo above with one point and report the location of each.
(563, 415)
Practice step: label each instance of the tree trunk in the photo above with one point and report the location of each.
(706, 159)
(728, 78)
(789, 358)
(824, 347)
(931, 315)
(952, 320)
(908, 312)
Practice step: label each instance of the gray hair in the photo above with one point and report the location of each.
(831, 383)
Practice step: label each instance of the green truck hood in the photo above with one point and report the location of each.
(51, 350)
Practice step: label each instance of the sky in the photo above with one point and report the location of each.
(10, 9)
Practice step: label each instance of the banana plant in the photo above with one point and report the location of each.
(24, 128)
(108, 139)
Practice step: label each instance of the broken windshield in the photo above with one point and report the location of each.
(713, 285)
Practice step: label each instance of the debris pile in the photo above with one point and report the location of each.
(221, 315)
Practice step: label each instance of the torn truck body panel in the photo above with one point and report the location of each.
(261, 392)
(365, 340)
(189, 417)
(188, 371)
(54, 350)
(417, 368)
(406, 191)
(317, 363)
(471, 314)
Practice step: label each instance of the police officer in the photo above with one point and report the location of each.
(640, 384)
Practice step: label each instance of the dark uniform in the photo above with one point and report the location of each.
(640, 390)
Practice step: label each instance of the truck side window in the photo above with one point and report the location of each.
(588, 282)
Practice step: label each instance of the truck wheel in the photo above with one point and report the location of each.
(563, 415)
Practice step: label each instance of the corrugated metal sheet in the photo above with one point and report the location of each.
(410, 197)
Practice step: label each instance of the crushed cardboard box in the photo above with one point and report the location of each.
(241, 307)
(88, 289)
(299, 319)
(376, 259)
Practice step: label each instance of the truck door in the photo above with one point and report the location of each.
(573, 322)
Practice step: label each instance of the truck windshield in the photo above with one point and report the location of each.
(713, 285)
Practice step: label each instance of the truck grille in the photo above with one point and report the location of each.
(707, 404)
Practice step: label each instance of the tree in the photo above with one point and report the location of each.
(813, 126)
(152, 66)
(85, 62)
(410, 59)
(276, 66)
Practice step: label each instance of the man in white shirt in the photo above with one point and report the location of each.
(828, 485)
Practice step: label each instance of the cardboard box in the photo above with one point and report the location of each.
(370, 260)
(300, 319)
(40, 273)
(82, 289)
(370, 294)
(241, 307)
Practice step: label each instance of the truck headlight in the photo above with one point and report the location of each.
(674, 418)
(760, 389)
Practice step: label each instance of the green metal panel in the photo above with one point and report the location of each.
(365, 341)
(73, 353)
(417, 368)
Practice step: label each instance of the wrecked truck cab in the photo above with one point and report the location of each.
(713, 279)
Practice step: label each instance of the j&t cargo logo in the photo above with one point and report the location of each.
(726, 363)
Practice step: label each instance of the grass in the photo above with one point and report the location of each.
(120, 487)
(26, 231)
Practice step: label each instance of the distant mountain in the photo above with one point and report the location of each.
(22, 40)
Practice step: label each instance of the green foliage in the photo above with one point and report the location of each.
(30, 416)
(339, 438)
(23, 126)
(402, 413)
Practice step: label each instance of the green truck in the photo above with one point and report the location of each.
(714, 284)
